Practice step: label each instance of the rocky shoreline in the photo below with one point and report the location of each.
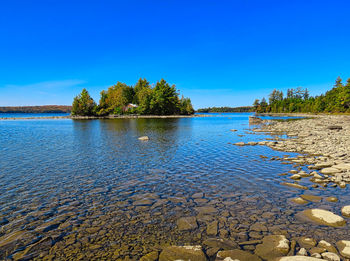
(323, 143)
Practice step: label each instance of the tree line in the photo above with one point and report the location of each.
(142, 98)
(336, 100)
(226, 109)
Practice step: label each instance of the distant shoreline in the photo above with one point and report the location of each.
(105, 117)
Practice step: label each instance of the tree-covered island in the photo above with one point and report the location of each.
(143, 98)
(337, 100)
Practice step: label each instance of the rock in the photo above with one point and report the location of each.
(206, 210)
(295, 177)
(306, 242)
(186, 253)
(316, 255)
(221, 244)
(239, 143)
(343, 166)
(143, 202)
(212, 228)
(344, 248)
(332, 199)
(153, 256)
(299, 201)
(273, 246)
(252, 143)
(236, 255)
(293, 185)
(302, 252)
(144, 138)
(187, 223)
(258, 227)
(330, 256)
(335, 127)
(329, 171)
(328, 246)
(311, 198)
(345, 211)
(324, 217)
(233, 130)
(318, 250)
(297, 258)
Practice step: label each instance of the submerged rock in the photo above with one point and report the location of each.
(236, 255)
(293, 185)
(299, 201)
(186, 253)
(187, 223)
(311, 198)
(324, 217)
(273, 246)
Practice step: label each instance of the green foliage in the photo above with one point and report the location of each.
(163, 99)
(83, 104)
(227, 109)
(299, 100)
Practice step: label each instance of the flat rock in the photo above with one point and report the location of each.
(306, 242)
(187, 223)
(344, 248)
(293, 185)
(186, 253)
(206, 210)
(329, 171)
(345, 211)
(212, 228)
(221, 244)
(324, 217)
(328, 246)
(236, 255)
(311, 198)
(258, 227)
(342, 166)
(273, 246)
(239, 143)
(332, 199)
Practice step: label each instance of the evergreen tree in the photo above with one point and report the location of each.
(83, 104)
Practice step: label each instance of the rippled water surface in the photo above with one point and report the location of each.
(89, 189)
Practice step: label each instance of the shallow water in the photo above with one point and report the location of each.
(89, 189)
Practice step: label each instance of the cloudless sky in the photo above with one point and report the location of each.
(217, 52)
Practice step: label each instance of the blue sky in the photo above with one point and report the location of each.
(219, 53)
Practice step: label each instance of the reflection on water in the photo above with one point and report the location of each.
(89, 189)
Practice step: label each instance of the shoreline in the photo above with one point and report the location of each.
(107, 117)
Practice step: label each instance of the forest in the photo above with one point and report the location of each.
(336, 100)
(226, 109)
(36, 109)
(143, 98)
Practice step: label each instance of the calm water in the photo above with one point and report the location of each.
(89, 189)
(30, 115)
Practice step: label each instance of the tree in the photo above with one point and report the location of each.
(256, 104)
(83, 104)
(164, 99)
(186, 107)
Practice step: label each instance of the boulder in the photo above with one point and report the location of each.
(186, 253)
(344, 248)
(306, 242)
(345, 211)
(273, 246)
(236, 255)
(324, 217)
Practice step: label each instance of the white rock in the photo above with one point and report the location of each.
(345, 211)
(329, 171)
(324, 217)
(302, 252)
(343, 166)
(330, 256)
(144, 138)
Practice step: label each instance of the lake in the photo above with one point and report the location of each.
(89, 189)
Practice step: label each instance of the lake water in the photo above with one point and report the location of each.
(89, 189)
(31, 115)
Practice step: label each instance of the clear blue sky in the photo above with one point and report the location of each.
(216, 52)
